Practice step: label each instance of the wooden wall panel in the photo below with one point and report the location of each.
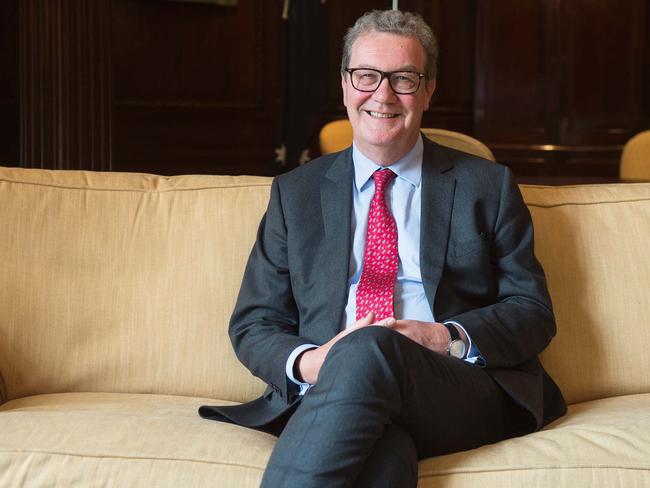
(453, 102)
(196, 86)
(560, 83)
(604, 48)
(9, 118)
(190, 55)
(515, 68)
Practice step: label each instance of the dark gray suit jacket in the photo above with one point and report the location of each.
(477, 266)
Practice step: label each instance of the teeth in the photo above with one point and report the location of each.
(381, 116)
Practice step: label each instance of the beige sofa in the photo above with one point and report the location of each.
(115, 293)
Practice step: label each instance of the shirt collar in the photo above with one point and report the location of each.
(409, 167)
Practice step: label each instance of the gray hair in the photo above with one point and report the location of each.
(394, 22)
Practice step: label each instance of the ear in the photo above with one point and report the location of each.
(344, 86)
(429, 88)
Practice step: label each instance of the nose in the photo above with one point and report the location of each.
(384, 92)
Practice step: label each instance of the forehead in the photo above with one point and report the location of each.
(387, 51)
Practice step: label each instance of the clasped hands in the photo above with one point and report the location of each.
(433, 336)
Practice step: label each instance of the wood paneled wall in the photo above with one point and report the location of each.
(554, 87)
(196, 86)
(65, 84)
(9, 118)
(561, 84)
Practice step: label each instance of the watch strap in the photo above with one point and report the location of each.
(456, 347)
(453, 332)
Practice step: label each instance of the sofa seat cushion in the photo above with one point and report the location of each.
(104, 439)
(600, 443)
(154, 440)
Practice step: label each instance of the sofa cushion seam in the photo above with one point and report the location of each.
(137, 458)
(531, 468)
(584, 204)
(134, 190)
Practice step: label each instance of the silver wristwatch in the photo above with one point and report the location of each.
(456, 347)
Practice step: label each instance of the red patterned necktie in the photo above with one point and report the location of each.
(380, 259)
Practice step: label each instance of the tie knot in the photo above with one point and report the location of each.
(382, 177)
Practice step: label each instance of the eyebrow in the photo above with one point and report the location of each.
(410, 67)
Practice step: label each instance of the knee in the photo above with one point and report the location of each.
(371, 334)
(367, 340)
(366, 366)
(367, 349)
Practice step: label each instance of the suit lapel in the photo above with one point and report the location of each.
(336, 205)
(438, 187)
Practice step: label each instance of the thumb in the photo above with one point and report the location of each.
(387, 322)
(369, 319)
(364, 322)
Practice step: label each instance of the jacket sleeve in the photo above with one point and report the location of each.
(264, 325)
(520, 323)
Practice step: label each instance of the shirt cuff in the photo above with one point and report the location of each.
(290, 363)
(473, 355)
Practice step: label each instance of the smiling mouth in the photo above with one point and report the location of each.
(379, 115)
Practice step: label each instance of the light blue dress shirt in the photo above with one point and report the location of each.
(403, 198)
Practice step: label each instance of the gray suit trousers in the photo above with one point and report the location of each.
(381, 403)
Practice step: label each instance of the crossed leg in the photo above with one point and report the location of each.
(381, 402)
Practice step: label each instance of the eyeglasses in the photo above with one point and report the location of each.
(368, 80)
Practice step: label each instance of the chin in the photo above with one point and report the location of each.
(385, 136)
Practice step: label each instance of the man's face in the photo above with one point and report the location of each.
(385, 124)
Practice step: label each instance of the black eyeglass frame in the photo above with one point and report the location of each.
(385, 74)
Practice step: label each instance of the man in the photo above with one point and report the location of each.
(394, 314)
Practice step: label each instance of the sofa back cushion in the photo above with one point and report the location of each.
(594, 243)
(123, 282)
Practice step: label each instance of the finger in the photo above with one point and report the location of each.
(364, 322)
(387, 322)
(369, 319)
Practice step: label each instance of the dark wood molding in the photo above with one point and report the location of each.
(558, 148)
(65, 84)
(254, 106)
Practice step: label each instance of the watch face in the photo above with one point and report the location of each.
(457, 349)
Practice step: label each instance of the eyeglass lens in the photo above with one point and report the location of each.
(400, 81)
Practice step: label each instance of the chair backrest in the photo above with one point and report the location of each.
(462, 142)
(635, 160)
(337, 135)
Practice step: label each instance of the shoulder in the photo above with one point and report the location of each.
(475, 178)
(464, 165)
